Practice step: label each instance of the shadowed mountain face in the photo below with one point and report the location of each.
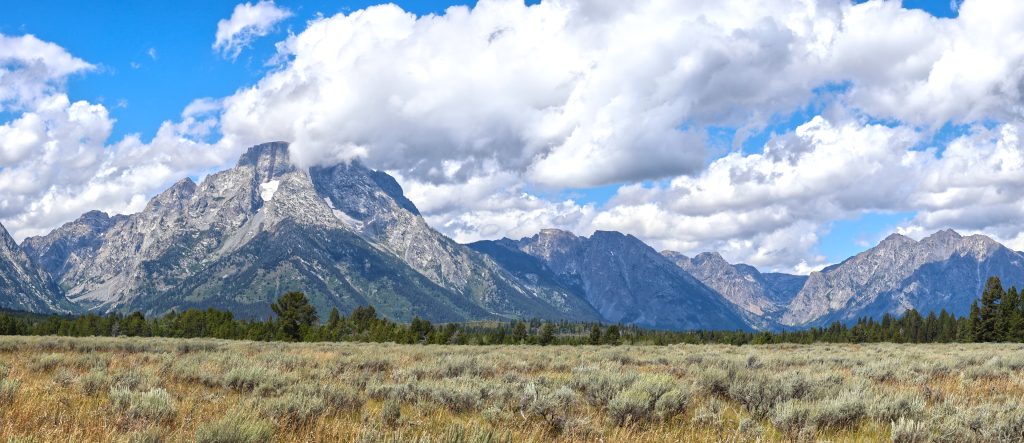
(621, 277)
(761, 297)
(345, 235)
(23, 286)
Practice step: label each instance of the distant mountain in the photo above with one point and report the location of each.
(70, 245)
(621, 277)
(943, 271)
(763, 298)
(345, 235)
(23, 286)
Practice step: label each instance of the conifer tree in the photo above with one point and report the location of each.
(519, 332)
(1004, 318)
(294, 314)
(989, 311)
(547, 334)
(612, 336)
(595, 334)
(971, 328)
(1015, 323)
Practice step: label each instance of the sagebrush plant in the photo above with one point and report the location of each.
(227, 391)
(8, 388)
(235, 427)
(259, 379)
(94, 382)
(155, 405)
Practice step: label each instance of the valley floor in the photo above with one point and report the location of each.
(113, 389)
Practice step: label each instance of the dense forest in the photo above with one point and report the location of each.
(998, 316)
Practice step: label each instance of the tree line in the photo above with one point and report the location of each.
(998, 315)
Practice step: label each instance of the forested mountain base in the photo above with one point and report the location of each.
(998, 318)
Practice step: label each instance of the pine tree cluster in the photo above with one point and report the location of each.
(997, 316)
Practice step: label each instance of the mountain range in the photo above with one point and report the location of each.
(347, 236)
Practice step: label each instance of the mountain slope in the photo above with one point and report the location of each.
(624, 280)
(23, 287)
(345, 235)
(762, 297)
(373, 204)
(943, 271)
(71, 244)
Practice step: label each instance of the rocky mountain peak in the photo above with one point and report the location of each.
(554, 233)
(979, 246)
(4, 236)
(174, 196)
(896, 239)
(626, 280)
(550, 243)
(900, 273)
(269, 160)
(944, 234)
(674, 255)
(709, 257)
(94, 217)
(360, 191)
(612, 236)
(761, 297)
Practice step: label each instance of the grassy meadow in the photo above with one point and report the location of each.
(150, 390)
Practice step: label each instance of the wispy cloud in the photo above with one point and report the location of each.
(247, 22)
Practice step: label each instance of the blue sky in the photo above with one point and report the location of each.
(142, 90)
(154, 58)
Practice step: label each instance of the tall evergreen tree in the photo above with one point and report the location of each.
(595, 334)
(989, 315)
(947, 327)
(420, 330)
(970, 330)
(612, 336)
(519, 332)
(334, 319)
(547, 333)
(294, 314)
(1015, 323)
(1005, 315)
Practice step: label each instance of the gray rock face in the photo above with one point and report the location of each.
(942, 271)
(763, 298)
(626, 281)
(372, 204)
(71, 244)
(23, 286)
(345, 235)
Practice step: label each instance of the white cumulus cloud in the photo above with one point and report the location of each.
(485, 113)
(31, 69)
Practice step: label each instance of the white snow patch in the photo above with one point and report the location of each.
(268, 189)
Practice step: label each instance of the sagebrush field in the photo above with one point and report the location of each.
(110, 389)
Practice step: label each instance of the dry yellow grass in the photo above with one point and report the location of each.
(113, 389)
